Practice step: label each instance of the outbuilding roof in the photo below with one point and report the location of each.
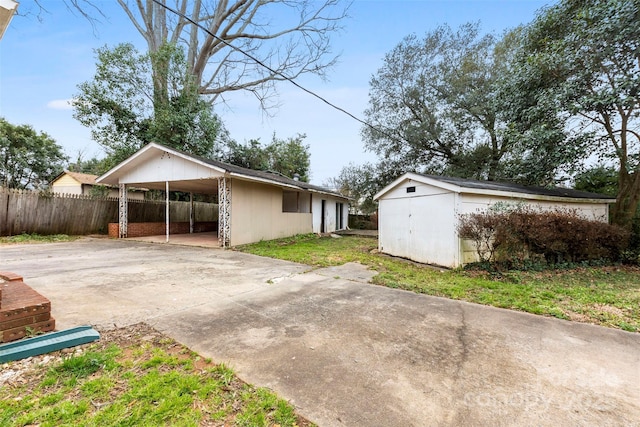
(461, 185)
(274, 178)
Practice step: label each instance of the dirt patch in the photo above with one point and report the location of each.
(604, 308)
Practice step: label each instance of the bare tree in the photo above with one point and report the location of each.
(291, 37)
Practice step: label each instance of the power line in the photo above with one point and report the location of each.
(289, 79)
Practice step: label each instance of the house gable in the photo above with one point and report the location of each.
(65, 180)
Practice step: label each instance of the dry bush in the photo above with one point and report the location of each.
(557, 236)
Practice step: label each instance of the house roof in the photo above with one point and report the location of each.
(273, 178)
(82, 178)
(506, 189)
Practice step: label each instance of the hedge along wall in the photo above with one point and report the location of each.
(23, 211)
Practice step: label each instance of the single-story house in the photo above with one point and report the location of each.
(82, 183)
(418, 214)
(253, 205)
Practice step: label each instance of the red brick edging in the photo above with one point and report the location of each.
(23, 311)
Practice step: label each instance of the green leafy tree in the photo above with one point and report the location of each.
(29, 159)
(250, 155)
(288, 157)
(360, 183)
(432, 105)
(94, 165)
(123, 111)
(579, 64)
(440, 104)
(598, 179)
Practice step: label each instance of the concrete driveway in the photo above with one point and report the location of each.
(343, 351)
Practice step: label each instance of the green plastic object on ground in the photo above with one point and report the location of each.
(47, 343)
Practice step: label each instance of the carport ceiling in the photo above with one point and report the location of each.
(197, 186)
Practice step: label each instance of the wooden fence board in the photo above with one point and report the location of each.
(34, 212)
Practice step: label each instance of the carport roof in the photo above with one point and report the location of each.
(461, 185)
(111, 177)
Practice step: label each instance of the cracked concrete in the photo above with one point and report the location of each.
(343, 351)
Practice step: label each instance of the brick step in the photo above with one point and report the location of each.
(8, 277)
(24, 331)
(19, 300)
(23, 311)
(24, 321)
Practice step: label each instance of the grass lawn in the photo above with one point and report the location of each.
(607, 296)
(134, 376)
(36, 238)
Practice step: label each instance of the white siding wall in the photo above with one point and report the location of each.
(165, 167)
(329, 214)
(471, 203)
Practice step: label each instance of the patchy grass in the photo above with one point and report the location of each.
(313, 250)
(134, 376)
(607, 296)
(36, 238)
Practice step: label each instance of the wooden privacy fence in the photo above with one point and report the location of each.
(23, 211)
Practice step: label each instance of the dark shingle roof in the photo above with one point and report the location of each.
(271, 176)
(517, 188)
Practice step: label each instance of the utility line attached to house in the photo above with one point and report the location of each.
(289, 79)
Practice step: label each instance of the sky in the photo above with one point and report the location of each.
(43, 59)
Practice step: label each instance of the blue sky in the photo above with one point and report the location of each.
(43, 60)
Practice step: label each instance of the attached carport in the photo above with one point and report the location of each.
(160, 168)
(265, 205)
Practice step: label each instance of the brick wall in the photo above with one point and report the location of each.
(140, 229)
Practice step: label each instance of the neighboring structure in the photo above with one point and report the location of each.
(253, 205)
(418, 214)
(82, 183)
(7, 9)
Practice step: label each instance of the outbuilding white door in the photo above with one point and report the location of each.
(421, 228)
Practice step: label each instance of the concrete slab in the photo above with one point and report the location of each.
(344, 351)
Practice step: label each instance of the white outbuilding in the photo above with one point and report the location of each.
(418, 214)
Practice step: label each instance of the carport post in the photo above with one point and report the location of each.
(167, 209)
(191, 213)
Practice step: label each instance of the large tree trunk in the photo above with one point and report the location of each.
(628, 198)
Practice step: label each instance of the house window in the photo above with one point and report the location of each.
(295, 201)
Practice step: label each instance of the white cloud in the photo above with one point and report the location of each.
(60, 104)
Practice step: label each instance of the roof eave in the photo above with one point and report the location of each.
(252, 178)
(529, 196)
